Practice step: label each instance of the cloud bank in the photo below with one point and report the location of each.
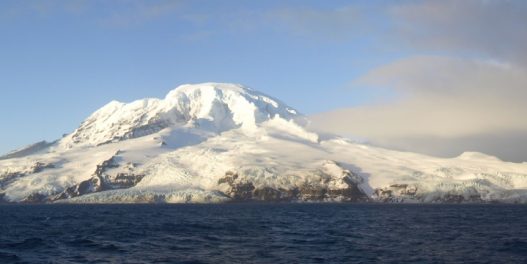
(470, 96)
(443, 99)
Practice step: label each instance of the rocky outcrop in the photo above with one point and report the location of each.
(154, 125)
(88, 186)
(102, 181)
(397, 193)
(10, 177)
(120, 180)
(106, 165)
(124, 180)
(321, 193)
(277, 195)
(241, 190)
(36, 198)
(458, 198)
(40, 166)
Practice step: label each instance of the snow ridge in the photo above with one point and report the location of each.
(214, 107)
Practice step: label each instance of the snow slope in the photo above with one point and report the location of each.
(209, 106)
(216, 142)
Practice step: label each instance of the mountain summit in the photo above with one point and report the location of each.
(214, 107)
(216, 142)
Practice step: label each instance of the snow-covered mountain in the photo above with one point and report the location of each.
(217, 142)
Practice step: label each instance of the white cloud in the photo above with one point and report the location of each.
(471, 97)
(445, 98)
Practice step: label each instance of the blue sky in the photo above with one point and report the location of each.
(62, 60)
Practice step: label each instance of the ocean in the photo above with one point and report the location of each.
(263, 233)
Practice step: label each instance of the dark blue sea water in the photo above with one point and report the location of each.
(263, 233)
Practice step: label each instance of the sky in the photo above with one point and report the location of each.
(435, 77)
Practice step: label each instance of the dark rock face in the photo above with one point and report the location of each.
(10, 177)
(396, 193)
(101, 181)
(229, 178)
(89, 186)
(152, 126)
(278, 195)
(312, 193)
(120, 181)
(452, 198)
(383, 194)
(105, 165)
(125, 180)
(350, 194)
(458, 198)
(36, 198)
(240, 190)
(40, 166)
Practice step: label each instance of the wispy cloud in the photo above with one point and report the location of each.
(444, 97)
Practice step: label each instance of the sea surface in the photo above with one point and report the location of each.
(263, 233)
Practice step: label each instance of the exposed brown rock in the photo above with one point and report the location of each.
(10, 177)
(270, 194)
(35, 198)
(125, 180)
(229, 178)
(241, 190)
(40, 166)
(101, 181)
(88, 186)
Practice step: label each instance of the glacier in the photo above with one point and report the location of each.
(218, 142)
